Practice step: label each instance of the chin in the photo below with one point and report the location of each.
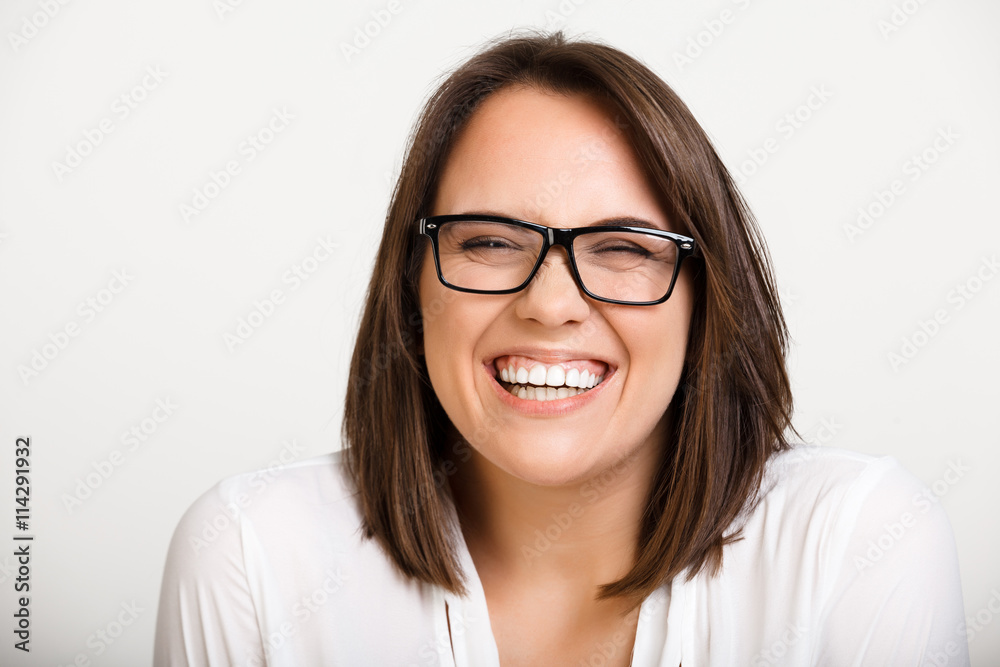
(557, 462)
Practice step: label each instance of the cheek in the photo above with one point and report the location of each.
(452, 325)
(657, 346)
(435, 302)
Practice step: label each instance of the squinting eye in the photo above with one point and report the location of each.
(618, 246)
(485, 242)
(628, 248)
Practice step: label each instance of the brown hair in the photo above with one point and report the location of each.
(733, 405)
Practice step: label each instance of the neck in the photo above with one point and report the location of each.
(583, 534)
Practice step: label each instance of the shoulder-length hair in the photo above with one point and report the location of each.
(732, 407)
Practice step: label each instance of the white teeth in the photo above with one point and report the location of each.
(532, 393)
(537, 375)
(548, 383)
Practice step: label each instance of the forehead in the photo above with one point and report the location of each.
(544, 122)
(541, 155)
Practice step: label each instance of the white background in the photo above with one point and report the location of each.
(893, 74)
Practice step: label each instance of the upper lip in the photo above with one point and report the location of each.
(549, 355)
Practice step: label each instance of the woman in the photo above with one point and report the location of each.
(565, 425)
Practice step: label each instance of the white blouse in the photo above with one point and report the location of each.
(846, 560)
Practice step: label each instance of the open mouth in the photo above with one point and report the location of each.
(534, 380)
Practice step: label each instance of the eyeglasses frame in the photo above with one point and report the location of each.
(553, 236)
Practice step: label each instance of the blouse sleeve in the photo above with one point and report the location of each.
(896, 597)
(206, 612)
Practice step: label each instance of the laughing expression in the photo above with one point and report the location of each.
(549, 385)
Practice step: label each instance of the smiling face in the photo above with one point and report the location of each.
(559, 161)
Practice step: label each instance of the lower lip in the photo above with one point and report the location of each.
(559, 406)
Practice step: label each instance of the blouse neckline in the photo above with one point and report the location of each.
(464, 635)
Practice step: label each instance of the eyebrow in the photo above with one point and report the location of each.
(627, 221)
(618, 221)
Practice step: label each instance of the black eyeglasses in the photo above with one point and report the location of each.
(486, 254)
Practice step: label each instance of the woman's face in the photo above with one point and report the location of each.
(560, 161)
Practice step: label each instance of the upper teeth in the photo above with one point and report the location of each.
(552, 376)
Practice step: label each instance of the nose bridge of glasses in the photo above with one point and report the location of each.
(557, 237)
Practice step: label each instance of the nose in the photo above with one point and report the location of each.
(553, 297)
